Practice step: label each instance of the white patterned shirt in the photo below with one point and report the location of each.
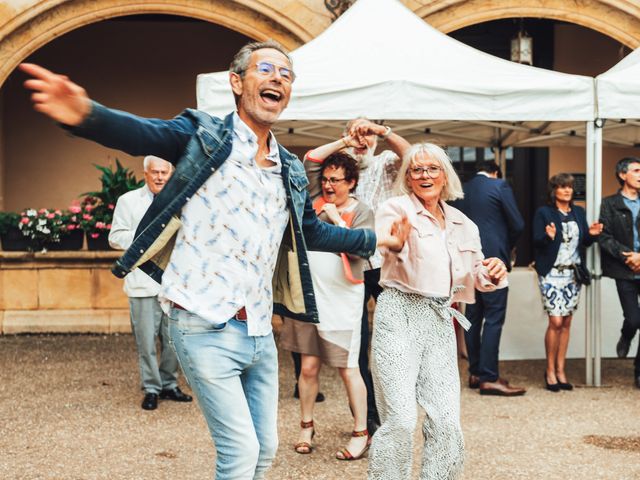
(375, 185)
(226, 250)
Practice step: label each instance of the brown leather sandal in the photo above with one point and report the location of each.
(304, 448)
(344, 454)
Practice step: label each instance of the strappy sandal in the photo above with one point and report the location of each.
(304, 448)
(344, 454)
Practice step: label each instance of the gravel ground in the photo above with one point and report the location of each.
(70, 409)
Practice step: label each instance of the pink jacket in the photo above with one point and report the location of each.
(432, 263)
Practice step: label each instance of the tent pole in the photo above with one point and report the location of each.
(595, 251)
(588, 340)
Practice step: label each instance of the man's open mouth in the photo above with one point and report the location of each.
(271, 96)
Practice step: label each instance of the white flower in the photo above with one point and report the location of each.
(46, 231)
(31, 212)
(42, 221)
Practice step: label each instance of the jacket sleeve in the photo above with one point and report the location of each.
(540, 237)
(321, 236)
(606, 240)
(511, 213)
(136, 135)
(123, 226)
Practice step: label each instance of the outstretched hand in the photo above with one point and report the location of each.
(595, 229)
(551, 230)
(398, 235)
(496, 268)
(56, 96)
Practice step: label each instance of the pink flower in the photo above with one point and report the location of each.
(42, 210)
(88, 208)
(75, 209)
(51, 215)
(86, 216)
(24, 220)
(108, 226)
(71, 227)
(94, 235)
(111, 206)
(58, 212)
(99, 225)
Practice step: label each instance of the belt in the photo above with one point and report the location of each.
(240, 315)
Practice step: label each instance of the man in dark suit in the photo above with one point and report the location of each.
(490, 204)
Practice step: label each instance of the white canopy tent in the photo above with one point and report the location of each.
(381, 60)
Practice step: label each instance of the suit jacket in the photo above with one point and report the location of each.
(490, 204)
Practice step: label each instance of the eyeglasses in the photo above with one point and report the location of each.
(332, 181)
(432, 171)
(268, 69)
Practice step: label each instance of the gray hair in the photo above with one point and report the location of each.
(453, 187)
(240, 62)
(623, 167)
(152, 158)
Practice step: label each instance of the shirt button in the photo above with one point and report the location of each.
(163, 225)
(141, 251)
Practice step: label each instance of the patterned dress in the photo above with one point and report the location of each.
(559, 288)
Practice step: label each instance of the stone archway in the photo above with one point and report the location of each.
(292, 23)
(618, 19)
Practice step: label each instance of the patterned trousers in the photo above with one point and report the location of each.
(414, 361)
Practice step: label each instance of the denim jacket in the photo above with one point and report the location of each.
(197, 144)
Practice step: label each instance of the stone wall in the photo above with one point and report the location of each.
(61, 292)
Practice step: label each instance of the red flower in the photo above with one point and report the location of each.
(24, 220)
(94, 235)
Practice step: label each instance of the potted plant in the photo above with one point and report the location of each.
(10, 235)
(95, 221)
(97, 207)
(41, 227)
(71, 235)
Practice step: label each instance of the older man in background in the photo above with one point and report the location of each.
(148, 321)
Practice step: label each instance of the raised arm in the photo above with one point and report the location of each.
(67, 103)
(363, 127)
(56, 96)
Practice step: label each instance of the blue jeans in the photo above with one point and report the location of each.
(235, 379)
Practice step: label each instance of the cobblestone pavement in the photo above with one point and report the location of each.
(70, 409)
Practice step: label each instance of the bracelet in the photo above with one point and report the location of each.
(386, 133)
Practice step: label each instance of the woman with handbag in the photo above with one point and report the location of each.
(560, 236)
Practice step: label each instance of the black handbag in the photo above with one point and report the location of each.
(583, 276)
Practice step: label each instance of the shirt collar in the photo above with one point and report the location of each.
(146, 191)
(246, 135)
(485, 174)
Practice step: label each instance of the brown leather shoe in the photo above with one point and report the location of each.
(502, 388)
(474, 381)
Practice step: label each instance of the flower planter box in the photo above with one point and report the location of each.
(101, 242)
(15, 241)
(72, 241)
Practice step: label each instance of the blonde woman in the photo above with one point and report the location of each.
(414, 345)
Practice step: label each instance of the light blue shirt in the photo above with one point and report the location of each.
(634, 206)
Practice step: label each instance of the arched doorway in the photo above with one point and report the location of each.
(615, 18)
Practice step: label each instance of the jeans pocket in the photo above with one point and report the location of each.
(189, 323)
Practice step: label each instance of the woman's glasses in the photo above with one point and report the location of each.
(432, 171)
(332, 181)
